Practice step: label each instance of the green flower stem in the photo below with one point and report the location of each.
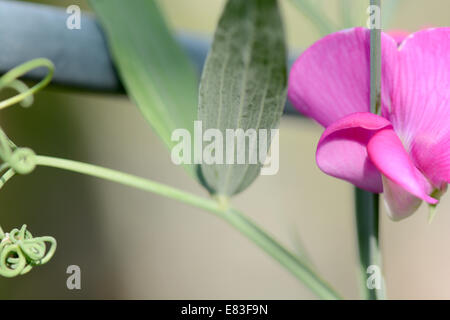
(367, 203)
(367, 217)
(295, 265)
(375, 64)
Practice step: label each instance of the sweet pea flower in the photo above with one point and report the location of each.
(403, 152)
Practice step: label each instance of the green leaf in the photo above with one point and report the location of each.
(155, 71)
(243, 85)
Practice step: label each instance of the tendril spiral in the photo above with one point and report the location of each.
(20, 252)
(25, 95)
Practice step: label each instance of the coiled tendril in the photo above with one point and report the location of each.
(20, 252)
(25, 95)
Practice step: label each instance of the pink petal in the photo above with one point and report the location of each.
(421, 100)
(342, 152)
(390, 157)
(330, 80)
(433, 158)
(400, 203)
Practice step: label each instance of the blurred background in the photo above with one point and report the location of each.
(135, 245)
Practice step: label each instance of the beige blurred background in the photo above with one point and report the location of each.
(134, 245)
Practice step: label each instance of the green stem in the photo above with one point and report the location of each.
(8, 175)
(367, 203)
(129, 180)
(3, 179)
(375, 63)
(292, 263)
(300, 269)
(367, 223)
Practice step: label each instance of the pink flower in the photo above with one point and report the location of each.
(405, 152)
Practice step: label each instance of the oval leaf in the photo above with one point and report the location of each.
(243, 86)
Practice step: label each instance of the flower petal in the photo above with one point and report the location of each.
(331, 79)
(400, 203)
(433, 158)
(421, 101)
(390, 157)
(342, 152)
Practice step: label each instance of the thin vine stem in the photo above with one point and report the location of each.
(240, 222)
(8, 175)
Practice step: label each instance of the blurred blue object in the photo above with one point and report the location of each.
(81, 56)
